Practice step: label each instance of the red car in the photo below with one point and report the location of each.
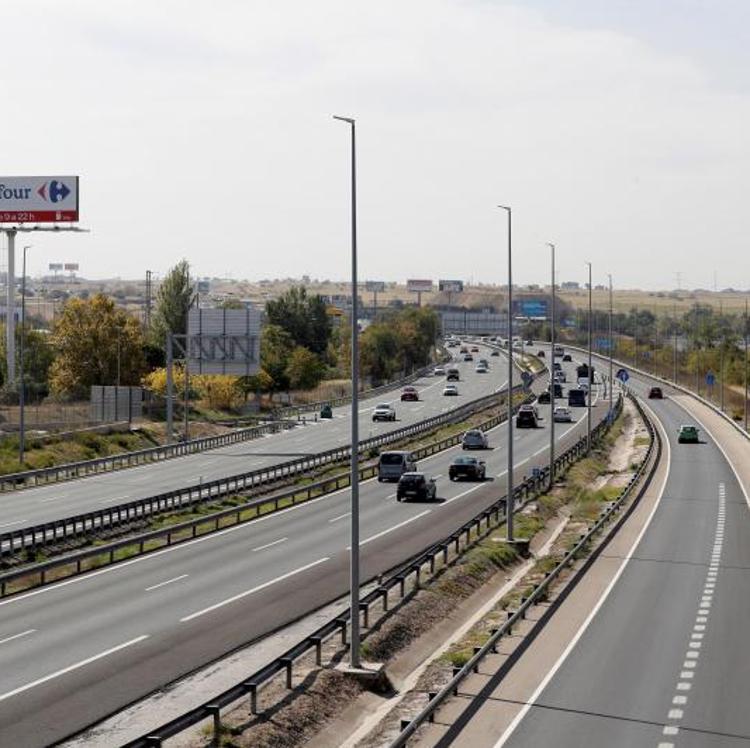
(409, 393)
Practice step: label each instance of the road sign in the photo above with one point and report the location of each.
(224, 341)
(623, 375)
(710, 379)
(38, 199)
(602, 343)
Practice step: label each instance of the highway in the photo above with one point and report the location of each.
(33, 506)
(662, 661)
(73, 652)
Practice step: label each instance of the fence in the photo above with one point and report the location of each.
(250, 686)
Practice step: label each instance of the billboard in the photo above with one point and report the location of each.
(451, 286)
(375, 286)
(224, 341)
(38, 199)
(71, 266)
(534, 308)
(419, 286)
(55, 267)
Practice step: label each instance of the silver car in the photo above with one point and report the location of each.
(562, 415)
(474, 439)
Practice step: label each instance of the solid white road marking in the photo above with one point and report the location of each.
(253, 590)
(70, 668)
(17, 636)
(163, 584)
(268, 545)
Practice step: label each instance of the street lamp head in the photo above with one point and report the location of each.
(504, 207)
(344, 119)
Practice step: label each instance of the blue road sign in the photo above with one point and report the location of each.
(623, 375)
(710, 379)
(602, 343)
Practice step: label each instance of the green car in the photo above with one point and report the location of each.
(687, 435)
(326, 412)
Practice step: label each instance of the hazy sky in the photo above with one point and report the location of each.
(619, 130)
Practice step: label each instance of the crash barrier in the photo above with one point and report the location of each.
(410, 575)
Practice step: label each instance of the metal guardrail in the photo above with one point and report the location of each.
(489, 517)
(98, 465)
(408, 728)
(38, 536)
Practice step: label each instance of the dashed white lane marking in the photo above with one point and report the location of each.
(268, 545)
(680, 699)
(252, 590)
(17, 636)
(391, 529)
(70, 668)
(164, 584)
(341, 516)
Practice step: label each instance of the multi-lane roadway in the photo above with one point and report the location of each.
(73, 652)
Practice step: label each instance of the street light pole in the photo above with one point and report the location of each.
(552, 377)
(354, 659)
(674, 344)
(509, 501)
(611, 379)
(591, 374)
(21, 367)
(746, 383)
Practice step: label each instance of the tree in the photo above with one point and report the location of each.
(304, 317)
(172, 302)
(305, 369)
(276, 346)
(94, 338)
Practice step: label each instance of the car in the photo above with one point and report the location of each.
(468, 357)
(452, 375)
(438, 371)
(384, 412)
(464, 349)
(474, 439)
(450, 389)
(416, 486)
(567, 357)
(556, 366)
(688, 434)
(484, 361)
(655, 393)
(467, 467)
(583, 384)
(495, 353)
(475, 349)
(529, 342)
(559, 350)
(541, 354)
(576, 398)
(481, 368)
(409, 393)
(527, 417)
(562, 415)
(326, 412)
(393, 464)
(560, 376)
(544, 398)
(557, 389)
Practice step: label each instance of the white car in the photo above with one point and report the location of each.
(450, 389)
(562, 415)
(560, 376)
(384, 412)
(481, 368)
(438, 371)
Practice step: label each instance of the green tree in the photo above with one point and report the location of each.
(276, 346)
(93, 338)
(172, 303)
(304, 317)
(304, 370)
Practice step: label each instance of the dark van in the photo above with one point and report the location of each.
(577, 398)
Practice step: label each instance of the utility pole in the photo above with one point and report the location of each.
(674, 344)
(591, 378)
(552, 377)
(722, 341)
(611, 378)
(509, 501)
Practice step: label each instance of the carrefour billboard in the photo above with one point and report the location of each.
(535, 308)
(38, 199)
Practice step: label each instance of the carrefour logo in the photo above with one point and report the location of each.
(57, 191)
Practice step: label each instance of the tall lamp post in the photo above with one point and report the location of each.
(509, 501)
(552, 375)
(591, 378)
(746, 383)
(22, 370)
(611, 342)
(354, 659)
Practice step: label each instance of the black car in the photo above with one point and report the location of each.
(467, 467)
(527, 418)
(655, 393)
(416, 486)
(540, 354)
(495, 353)
(567, 357)
(544, 398)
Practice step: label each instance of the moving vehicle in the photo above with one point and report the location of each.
(527, 417)
(384, 412)
(577, 398)
(409, 393)
(474, 439)
(326, 412)
(481, 368)
(544, 398)
(556, 366)
(475, 349)
(392, 465)
(529, 342)
(495, 353)
(688, 434)
(450, 390)
(467, 467)
(468, 357)
(562, 415)
(452, 375)
(582, 371)
(464, 349)
(416, 486)
(655, 393)
(438, 371)
(559, 350)
(541, 354)
(567, 357)
(560, 376)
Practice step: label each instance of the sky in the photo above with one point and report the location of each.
(617, 130)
